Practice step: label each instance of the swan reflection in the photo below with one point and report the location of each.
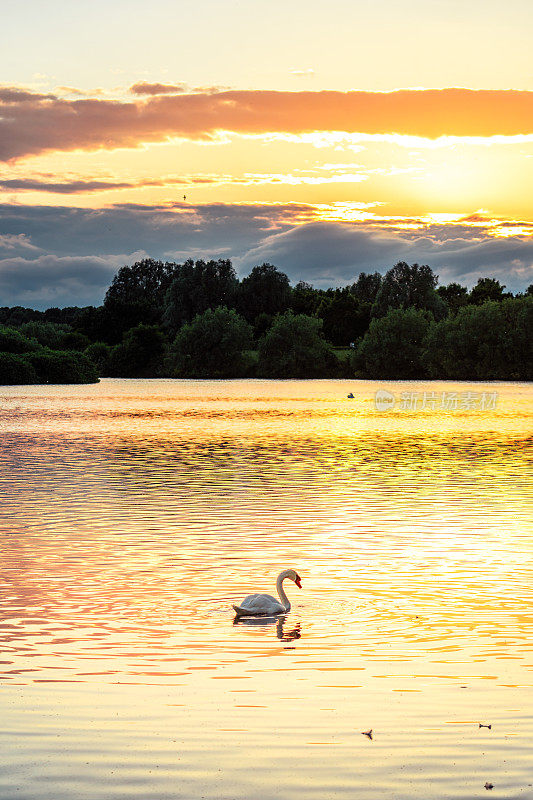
(284, 635)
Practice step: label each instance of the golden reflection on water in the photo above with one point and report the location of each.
(136, 512)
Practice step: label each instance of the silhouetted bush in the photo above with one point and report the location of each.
(54, 335)
(488, 342)
(61, 366)
(12, 341)
(344, 318)
(140, 355)
(393, 346)
(294, 347)
(16, 369)
(213, 345)
(99, 353)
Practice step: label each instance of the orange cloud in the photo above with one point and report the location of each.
(31, 124)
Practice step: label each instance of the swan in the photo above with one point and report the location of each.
(264, 605)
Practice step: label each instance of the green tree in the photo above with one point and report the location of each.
(393, 346)
(295, 347)
(344, 318)
(58, 366)
(454, 295)
(100, 354)
(48, 334)
(197, 286)
(487, 342)
(136, 296)
(366, 287)
(13, 341)
(265, 290)
(305, 299)
(409, 286)
(16, 370)
(261, 324)
(487, 289)
(213, 345)
(17, 315)
(140, 354)
(54, 335)
(93, 322)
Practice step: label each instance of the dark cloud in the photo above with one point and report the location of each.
(68, 256)
(81, 186)
(154, 228)
(17, 245)
(63, 187)
(51, 280)
(144, 88)
(12, 94)
(31, 124)
(326, 253)
(510, 259)
(333, 253)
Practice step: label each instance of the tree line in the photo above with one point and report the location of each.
(198, 320)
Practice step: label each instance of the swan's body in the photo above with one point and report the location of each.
(264, 605)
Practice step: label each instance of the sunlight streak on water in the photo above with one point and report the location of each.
(136, 512)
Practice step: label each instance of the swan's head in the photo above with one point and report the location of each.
(293, 575)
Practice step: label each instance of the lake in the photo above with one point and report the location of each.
(134, 513)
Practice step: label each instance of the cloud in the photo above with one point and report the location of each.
(144, 88)
(12, 94)
(63, 187)
(156, 229)
(81, 186)
(35, 123)
(334, 253)
(68, 256)
(324, 253)
(13, 244)
(50, 280)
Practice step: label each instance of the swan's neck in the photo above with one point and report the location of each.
(285, 602)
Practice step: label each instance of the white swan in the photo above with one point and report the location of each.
(264, 605)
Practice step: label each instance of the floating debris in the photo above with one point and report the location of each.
(485, 726)
(489, 785)
(367, 733)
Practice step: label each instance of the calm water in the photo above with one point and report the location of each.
(135, 512)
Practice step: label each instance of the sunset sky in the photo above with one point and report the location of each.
(326, 138)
